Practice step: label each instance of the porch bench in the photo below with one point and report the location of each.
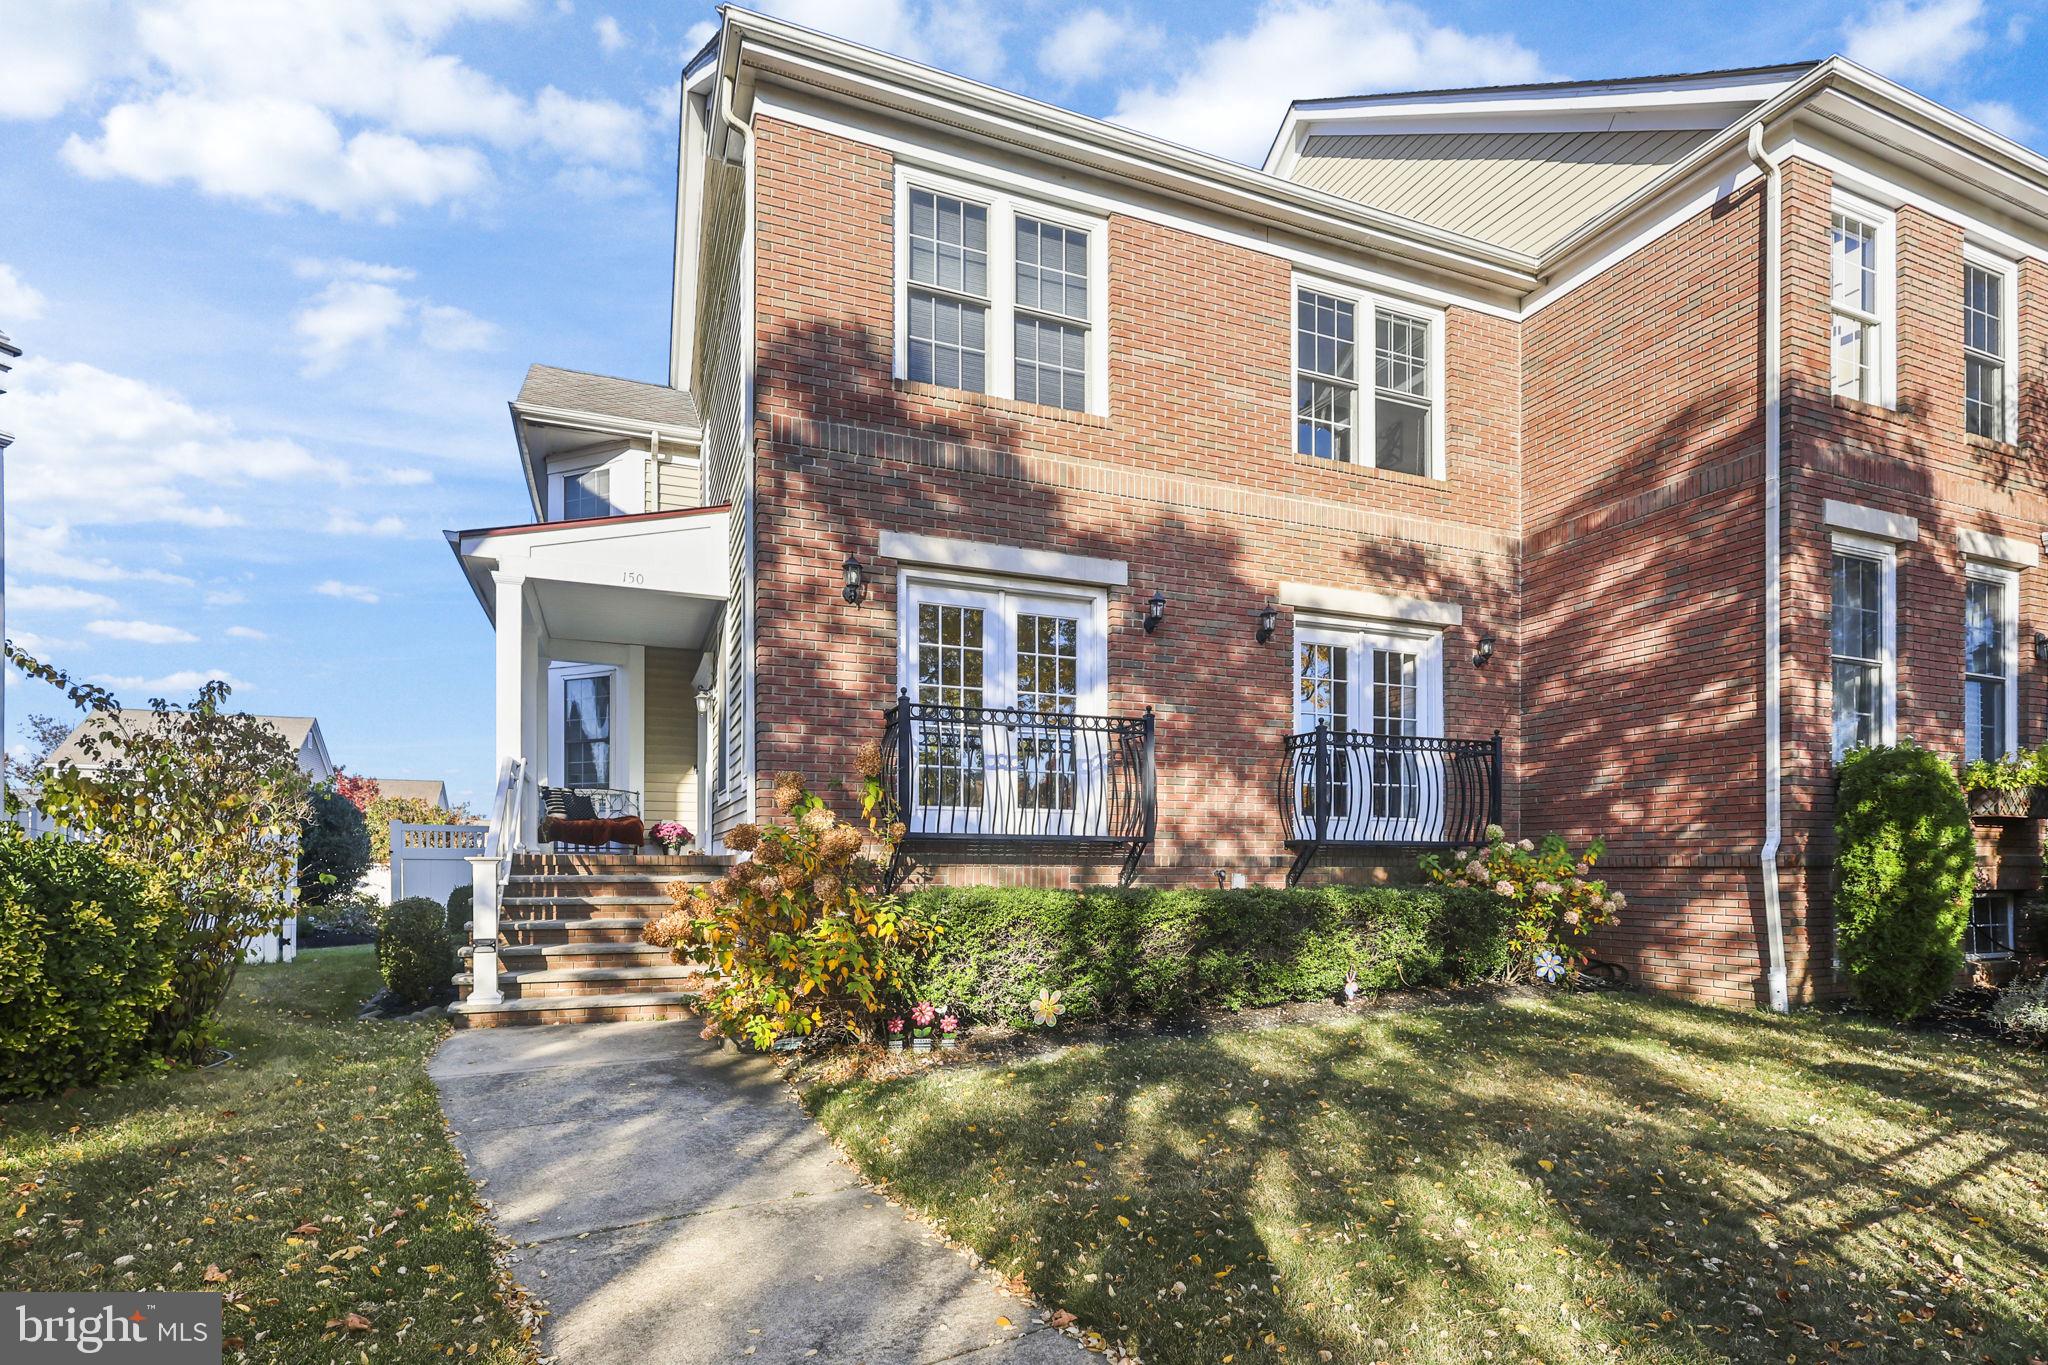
(591, 819)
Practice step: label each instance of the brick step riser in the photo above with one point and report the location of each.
(570, 912)
(571, 1012)
(574, 866)
(536, 887)
(564, 933)
(569, 957)
(580, 990)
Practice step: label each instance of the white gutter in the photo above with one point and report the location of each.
(1774, 774)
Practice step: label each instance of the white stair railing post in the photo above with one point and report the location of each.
(483, 931)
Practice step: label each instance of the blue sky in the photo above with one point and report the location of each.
(279, 266)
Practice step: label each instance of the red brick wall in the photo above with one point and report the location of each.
(1192, 479)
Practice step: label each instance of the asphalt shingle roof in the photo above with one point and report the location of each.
(576, 391)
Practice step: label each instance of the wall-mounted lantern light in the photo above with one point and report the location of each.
(1155, 611)
(706, 700)
(1484, 652)
(1269, 621)
(856, 590)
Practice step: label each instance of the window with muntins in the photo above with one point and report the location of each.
(1390, 426)
(1856, 304)
(1861, 635)
(1984, 330)
(1052, 315)
(587, 494)
(1991, 925)
(1371, 681)
(948, 291)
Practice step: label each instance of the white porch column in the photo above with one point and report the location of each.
(518, 655)
(483, 931)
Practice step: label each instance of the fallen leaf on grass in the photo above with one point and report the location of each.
(214, 1275)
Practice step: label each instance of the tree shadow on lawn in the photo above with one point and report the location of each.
(1547, 1179)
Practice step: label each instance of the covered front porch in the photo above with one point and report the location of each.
(606, 632)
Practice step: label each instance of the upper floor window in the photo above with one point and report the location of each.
(1990, 662)
(1391, 425)
(999, 296)
(1862, 635)
(1860, 304)
(1987, 334)
(584, 485)
(587, 493)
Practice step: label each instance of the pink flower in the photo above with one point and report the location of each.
(1503, 888)
(948, 1024)
(895, 1026)
(922, 1015)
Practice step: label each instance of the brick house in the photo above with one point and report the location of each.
(1597, 458)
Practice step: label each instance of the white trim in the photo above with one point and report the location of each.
(2008, 358)
(1362, 605)
(1869, 521)
(1885, 233)
(2008, 581)
(2008, 552)
(1366, 305)
(1013, 560)
(1004, 208)
(1886, 555)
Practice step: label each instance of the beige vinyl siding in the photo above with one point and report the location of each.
(1524, 191)
(671, 736)
(672, 484)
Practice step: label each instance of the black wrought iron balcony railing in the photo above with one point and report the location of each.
(1352, 789)
(996, 778)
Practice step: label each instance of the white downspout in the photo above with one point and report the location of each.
(1767, 855)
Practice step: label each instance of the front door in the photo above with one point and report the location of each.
(1364, 684)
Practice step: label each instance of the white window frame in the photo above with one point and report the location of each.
(1358, 639)
(1884, 223)
(559, 675)
(626, 466)
(2012, 927)
(2008, 581)
(1005, 207)
(2008, 339)
(1886, 555)
(1366, 305)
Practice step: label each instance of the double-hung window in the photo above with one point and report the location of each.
(1990, 661)
(1378, 409)
(587, 493)
(1859, 302)
(1987, 337)
(1863, 640)
(999, 296)
(1991, 925)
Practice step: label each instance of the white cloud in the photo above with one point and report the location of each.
(1086, 41)
(58, 597)
(2001, 117)
(348, 106)
(31, 643)
(142, 632)
(347, 592)
(699, 34)
(246, 633)
(225, 597)
(170, 684)
(49, 550)
(1915, 43)
(403, 478)
(1229, 98)
(19, 300)
(342, 268)
(341, 523)
(96, 448)
(960, 35)
(357, 311)
(609, 36)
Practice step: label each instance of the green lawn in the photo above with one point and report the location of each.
(310, 1179)
(1554, 1178)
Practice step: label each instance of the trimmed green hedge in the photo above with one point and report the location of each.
(86, 955)
(1160, 953)
(415, 955)
(461, 910)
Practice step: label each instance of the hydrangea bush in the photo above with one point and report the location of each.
(798, 938)
(1554, 898)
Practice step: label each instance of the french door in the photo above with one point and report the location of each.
(995, 673)
(1364, 684)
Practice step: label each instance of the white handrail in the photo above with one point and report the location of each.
(489, 872)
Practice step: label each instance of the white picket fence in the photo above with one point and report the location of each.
(430, 860)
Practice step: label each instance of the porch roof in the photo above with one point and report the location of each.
(656, 578)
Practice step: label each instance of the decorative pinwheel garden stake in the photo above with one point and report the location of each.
(1550, 965)
(1047, 1009)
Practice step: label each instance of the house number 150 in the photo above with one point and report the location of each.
(629, 576)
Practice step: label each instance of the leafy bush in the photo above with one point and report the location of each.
(2022, 1010)
(1904, 863)
(2016, 772)
(407, 810)
(1159, 953)
(334, 848)
(87, 949)
(347, 919)
(1554, 900)
(797, 939)
(415, 956)
(461, 910)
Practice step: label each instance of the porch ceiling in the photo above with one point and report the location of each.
(624, 616)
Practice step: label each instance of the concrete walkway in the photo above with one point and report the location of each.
(685, 1210)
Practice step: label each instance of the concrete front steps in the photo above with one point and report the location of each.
(569, 948)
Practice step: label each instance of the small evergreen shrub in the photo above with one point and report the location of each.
(2022, 1010)
(87, 952)
(1904, 864)
(1158, 953)
(415, 955)
(461, 909)
(334, 848)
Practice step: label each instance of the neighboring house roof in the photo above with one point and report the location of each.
(605, 396)
(414, 788)
(1524, 191)
(301, 732)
